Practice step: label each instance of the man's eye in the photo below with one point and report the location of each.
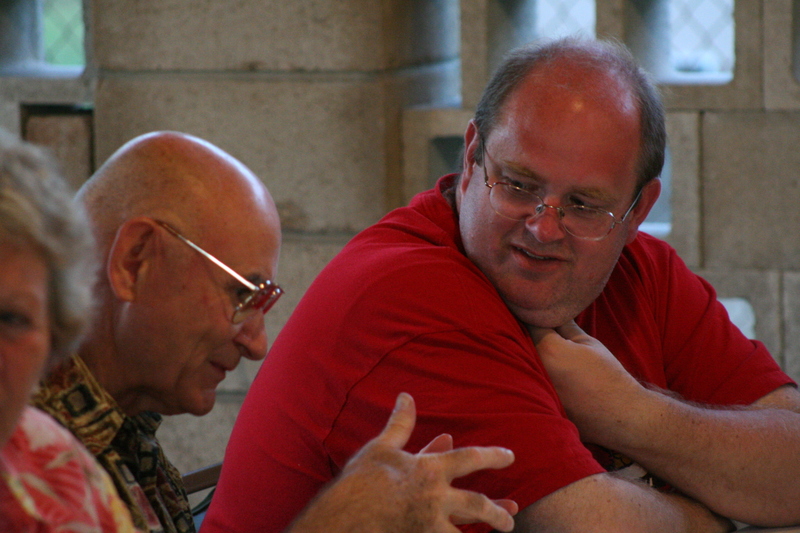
(587, 213)
(242, 293)
(14, 320)
(577, 202)
(580, 202)
(521, 186)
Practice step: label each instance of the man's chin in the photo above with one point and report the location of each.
(542, 318)
(202, 405)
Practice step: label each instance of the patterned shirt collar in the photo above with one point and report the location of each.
(126, 446)
(89, 410)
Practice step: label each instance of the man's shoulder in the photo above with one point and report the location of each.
(644, 243)
(401, 278)
(418, 244)
(72, 384)
(72, 396)
(396, 266)
(647, 253)
(428, 220)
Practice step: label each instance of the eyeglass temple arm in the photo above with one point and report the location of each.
(208, 256)
(635, 201)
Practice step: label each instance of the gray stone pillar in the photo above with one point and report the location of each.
(20, 34)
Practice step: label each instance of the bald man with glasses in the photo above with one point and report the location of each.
(188, 239)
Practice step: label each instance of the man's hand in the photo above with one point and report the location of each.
(592, 385)
(740, 463)
(384, 489)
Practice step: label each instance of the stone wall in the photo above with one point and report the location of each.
(348, 108)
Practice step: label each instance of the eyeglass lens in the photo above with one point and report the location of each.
(516, 204)
(260, 300)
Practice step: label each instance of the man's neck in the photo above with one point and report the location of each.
(110, 373)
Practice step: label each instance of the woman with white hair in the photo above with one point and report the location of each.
(48, 481)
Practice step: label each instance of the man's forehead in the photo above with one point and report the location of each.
(553, 98)
(238, 217)
(257, 246)
(578, 83)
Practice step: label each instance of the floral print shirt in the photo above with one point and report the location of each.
(50, 483)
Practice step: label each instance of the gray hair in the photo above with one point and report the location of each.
(605, 55)
(37, 210)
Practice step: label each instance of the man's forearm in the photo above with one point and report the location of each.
(743, 464)
(604, 503)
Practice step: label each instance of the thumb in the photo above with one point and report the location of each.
(572, 332)
(538, 334)
(442, 443)
(400, 424)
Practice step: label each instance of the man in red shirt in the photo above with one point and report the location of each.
(488, 298)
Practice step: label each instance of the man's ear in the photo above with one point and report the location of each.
(471, 143)
(650, 193)
(130, 257)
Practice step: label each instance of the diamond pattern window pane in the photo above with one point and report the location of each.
(558, 18)
(702, 35)
(515, 22)
(62, 22)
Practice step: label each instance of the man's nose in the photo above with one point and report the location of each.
(545, 224)
(253, 337)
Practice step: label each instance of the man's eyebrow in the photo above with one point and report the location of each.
(596, 193)
(601, 195)
(255, 278)
(521, 170)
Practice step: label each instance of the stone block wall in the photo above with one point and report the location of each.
(346, 109)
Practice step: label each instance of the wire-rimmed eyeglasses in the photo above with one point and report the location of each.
(260, 297)
(513, 201)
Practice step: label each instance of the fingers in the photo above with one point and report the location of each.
(538, 334)
(510, 506)
(400, 424)
(572, 332)
(473, 508)
(569, 331)
(442, 443)
(463, 461)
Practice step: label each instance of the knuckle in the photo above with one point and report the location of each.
(475, 455)
(472, 456)
(480, 506)
(432, 466)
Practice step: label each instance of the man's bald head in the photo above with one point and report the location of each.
(173, 175)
